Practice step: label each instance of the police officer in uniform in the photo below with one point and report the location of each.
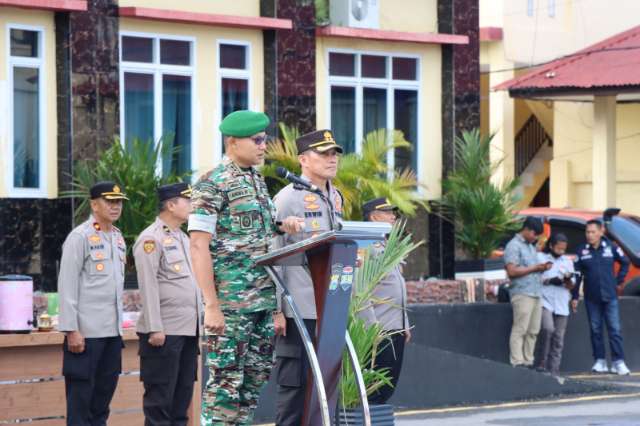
(233, 220)
(168, 324)
(90, 288)
(318, 154)
(389, 308)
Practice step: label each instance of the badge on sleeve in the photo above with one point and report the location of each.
(149, 246)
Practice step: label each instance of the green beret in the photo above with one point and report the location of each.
(244, 123)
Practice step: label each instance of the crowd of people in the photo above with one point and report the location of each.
(205, 285)
(545, 286)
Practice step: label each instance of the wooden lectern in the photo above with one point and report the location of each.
(331, 259)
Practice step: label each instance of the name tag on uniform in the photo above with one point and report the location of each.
(239, 193)
(585, 257)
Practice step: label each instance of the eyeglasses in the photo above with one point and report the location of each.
(259, 140)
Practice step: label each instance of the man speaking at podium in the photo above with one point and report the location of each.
(318, 154)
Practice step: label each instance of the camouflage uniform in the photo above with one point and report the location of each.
(233, 205)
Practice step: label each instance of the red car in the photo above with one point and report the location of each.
(622, 228)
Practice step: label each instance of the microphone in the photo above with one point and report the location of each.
(296, 180)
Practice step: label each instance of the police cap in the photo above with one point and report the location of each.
(108, 190)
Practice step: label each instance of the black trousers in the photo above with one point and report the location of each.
(168, 373)
(389, 357)
(292, 371)
(90, 380)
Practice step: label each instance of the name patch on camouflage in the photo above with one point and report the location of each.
(239, 193)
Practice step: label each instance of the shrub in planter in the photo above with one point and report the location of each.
(369, 339)
(483, 211)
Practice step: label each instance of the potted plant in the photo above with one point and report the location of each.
(482, 210)
(135, 169)
(368, 339)
(361, 176)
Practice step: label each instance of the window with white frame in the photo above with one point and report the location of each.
(530, 8)
(234, 71)
(551, 8)
(156, 87)
(370, 91)
(27, 159)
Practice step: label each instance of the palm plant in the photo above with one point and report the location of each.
(360, 177)
(483, 211)
(369, 339)
(135, 169)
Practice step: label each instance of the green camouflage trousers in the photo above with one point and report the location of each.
(239, 364)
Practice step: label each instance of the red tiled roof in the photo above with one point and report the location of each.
(612, 63)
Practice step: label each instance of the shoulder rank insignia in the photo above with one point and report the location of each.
(149, 246)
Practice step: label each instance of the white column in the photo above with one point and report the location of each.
(604, 152)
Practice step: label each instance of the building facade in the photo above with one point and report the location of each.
(76, 74)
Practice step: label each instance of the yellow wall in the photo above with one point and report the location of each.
(430, 91)
(571, 170)
(408, 15)
(44, 20)
(484, 104)
(223, 7)
(206, 113)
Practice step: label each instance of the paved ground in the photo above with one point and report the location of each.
(616, 409)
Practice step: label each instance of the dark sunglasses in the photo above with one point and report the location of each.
(259, 140)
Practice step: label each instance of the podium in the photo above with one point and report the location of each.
(331, 260)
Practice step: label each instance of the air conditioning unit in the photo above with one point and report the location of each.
(355, 13)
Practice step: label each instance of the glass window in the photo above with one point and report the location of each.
(405, 68)
(235, 95)
(374, 109)
(406, 120)
(176, 123)
(24, 43)
(138, 107)
(374, 66)
(342, 64)
(343, 116)
(175, 52)
(233, 56)
(26, 125)
(627, 232)
(137, 49)
(572, 230)
(551, 8)
(157, 101)
(529, 7)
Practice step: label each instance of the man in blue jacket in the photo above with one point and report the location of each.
(595, 263)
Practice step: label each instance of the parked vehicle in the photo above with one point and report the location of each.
(622, 228)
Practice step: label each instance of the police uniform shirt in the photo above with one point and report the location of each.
(91, 281)
(318, 217)
(389, 298)
(171, 301)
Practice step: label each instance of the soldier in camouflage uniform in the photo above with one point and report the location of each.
(234, 220)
